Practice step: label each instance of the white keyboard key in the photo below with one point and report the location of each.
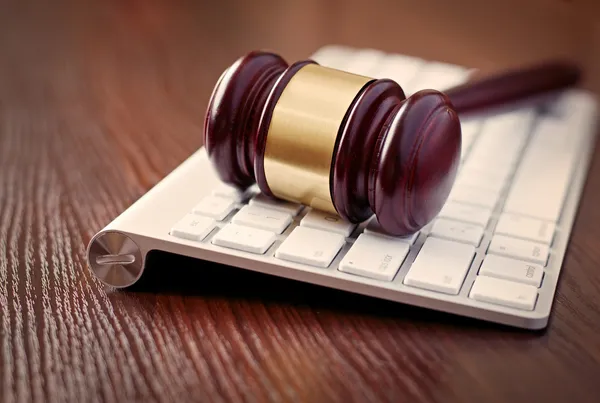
(470, 127)
(333, 56)
(375, 257)
(216, 207)
(438, 76)
(457, 231)
(327, 222)
(581, 113)
(262, 218)
(193, 227)
(440, 266)
(493, 172)
(502, 164)
(479, 180)
(232, 193)
(374, 228)
(310, 246)
(261, 200)
(400, 68)
(244, 238)
(471, 195)
(466, 213)
(540, 184)
(504, 292)
(470, 130)
(512, 269)
(526, 227)
(465, 147)
(576, 108)
(364, 62)
(500, 142)
(506, 133)
(520, 249)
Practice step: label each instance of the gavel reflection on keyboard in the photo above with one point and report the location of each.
(348, 144)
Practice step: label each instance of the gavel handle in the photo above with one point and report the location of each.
(513, 86)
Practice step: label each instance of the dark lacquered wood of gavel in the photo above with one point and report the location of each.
(349, 144)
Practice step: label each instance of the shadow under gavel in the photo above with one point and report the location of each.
(352, 145)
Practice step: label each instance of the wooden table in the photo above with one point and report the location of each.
(100, 100)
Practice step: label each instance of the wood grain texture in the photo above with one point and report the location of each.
(99, 100)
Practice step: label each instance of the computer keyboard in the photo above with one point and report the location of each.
(495, 251)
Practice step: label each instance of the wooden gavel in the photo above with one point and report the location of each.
(349, 144)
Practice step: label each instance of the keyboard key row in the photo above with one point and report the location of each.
(304, 245)
(541, 183)
(441, 265)
(271, 215)
(493, 158)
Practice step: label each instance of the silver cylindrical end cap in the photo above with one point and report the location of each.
(115, 259)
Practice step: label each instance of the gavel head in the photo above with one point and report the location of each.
(334, 141)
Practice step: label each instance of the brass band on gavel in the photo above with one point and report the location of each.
(303, 131)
